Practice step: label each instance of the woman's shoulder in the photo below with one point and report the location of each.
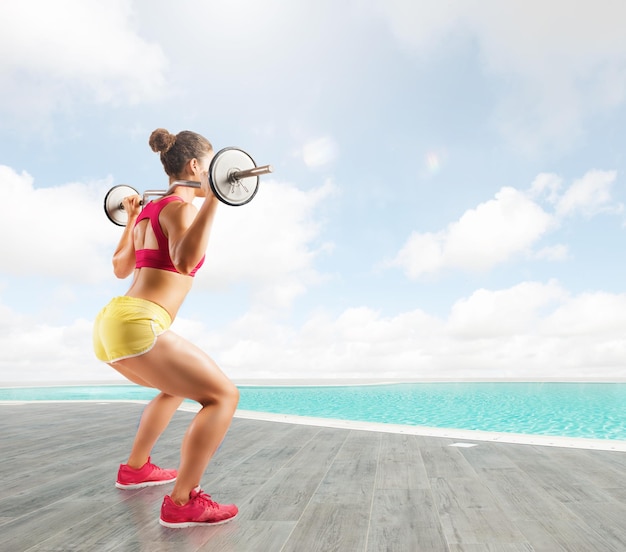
(177, 211)
(167, 199)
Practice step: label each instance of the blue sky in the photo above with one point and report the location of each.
(447, 198)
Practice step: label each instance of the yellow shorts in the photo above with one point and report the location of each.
(128, 327)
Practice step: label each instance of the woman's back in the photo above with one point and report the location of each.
(156, 278)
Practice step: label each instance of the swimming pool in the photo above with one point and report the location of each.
(577, 410)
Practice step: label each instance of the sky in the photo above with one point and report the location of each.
(447, 200)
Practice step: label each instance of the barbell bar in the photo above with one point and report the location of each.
(233, 177)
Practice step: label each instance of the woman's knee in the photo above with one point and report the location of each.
(174, 399)
(235, 395)
(226, 395)
(168, 396)
(230, 395)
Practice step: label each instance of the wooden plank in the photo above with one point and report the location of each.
(522, 496)
(400, 464)
(573, 536)
(350, 478)
(607, 519)
(446, 462)
(541, 537)
(486, 456)
(26, 531)
(319, 451)
(505, 547)
(403, 520)
(283, 497)
(330, 528)
(468, 519)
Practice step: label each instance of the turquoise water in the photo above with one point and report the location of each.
(581, 410)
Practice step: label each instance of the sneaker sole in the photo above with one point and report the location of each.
(183, 524)
(142, 485)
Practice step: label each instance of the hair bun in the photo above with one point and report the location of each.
(161, 140)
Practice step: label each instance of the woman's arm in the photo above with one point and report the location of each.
(189, 229)
(124, 256)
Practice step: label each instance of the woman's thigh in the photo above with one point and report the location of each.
(178, 367)
(129, 374)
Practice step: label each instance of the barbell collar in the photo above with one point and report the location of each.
(256, 171)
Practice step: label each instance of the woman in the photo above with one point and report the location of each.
(164, 245)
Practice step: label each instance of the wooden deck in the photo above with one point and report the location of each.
(302, 488)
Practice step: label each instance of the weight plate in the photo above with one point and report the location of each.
(226, 188)
(113, 203)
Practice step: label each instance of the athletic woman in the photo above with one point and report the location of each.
(164, 245)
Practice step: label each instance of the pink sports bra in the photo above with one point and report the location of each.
(158, 258)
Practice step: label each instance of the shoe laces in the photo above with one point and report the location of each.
(154, 467)
(205, 498)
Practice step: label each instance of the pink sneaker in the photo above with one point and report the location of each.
(200, 510)
(146, 476)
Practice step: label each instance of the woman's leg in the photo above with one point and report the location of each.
(154, 419)
(180, 369)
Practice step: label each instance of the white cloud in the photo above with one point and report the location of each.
(320, 152)
(53, 51)
(562, 61)
(548, 185)
(555, 64)
(531, 330)
(32, 351)
(488, 313)
(557, 252)
(55, 232)
(269, 244)
(589, 195)
(422, 27)
(590, 314)
(483, 237)
(491, 334)
(511, 224)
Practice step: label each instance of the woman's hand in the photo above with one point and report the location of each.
(207, 191)
(132, 206)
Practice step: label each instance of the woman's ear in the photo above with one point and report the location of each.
(193, 166)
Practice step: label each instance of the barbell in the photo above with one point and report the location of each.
(233, 177)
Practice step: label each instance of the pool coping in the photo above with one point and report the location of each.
(325, 382)
(449, 433)
(467, 435)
